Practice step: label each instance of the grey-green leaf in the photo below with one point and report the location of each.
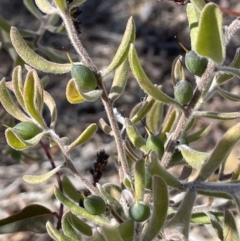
(179, 224)
(194, 158)
(160, 207)
(230, 230)
(33, 59)
(119, 81)
(122, 52)
(155, 168)
(9, 104)
(220, 152)
(55, 234)
(67, 228)
(80, 225)
(41, 178)
(210, 42)
(32, 218)
(143, 80)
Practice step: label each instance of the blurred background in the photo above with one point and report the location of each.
(158, 23)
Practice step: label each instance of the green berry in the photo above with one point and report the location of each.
(154, 143)
(139, 211)
(84, 77)
(195, 63)
(27, 130)
(183, 92)
(94, 205)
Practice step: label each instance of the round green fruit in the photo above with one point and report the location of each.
(139, 211)
(183, 92)
(94, 205)
(154, 143)
(84, 77)
(195, 63)
(27, 130)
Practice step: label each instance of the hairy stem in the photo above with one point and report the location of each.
(106, 102)
(70, 165)
(73, 36)
(116, 132)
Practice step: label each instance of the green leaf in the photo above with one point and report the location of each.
(33, 59)
(176, 72)
(134, 136)
(31, 90)
(53, 54)
(84, 137)
(29, 4)
(111, 233)
(75, 95)
(230, 231)
(230, 70)
(32, 218)
(78, 224)
(55, 234)
(169, 122)
(119, 81)
(210, 41)
(160, 208)
(228, 95)
(70, 189)
(126, 230)
(113, 191)
(45, 6)
(67, 228)
(9, 104)
(216, 225)
(15, 141)
(41, 178)
(78, 210)
(139, 180)
(72, 93)
(50, 103)
(198, 4)
(122, 52)
(141, 109)
(203, 218)
(7, 45)
(218, 115)
(194, 158)
(110, 198)
(220, 152)
(105, 127)
(18, 85)
(154, 118)
(155, 168)
(61, 4)
(199, 134)
(223, 78)
(143, 80)
(193, 17)
(96, 237)
(180, 222)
